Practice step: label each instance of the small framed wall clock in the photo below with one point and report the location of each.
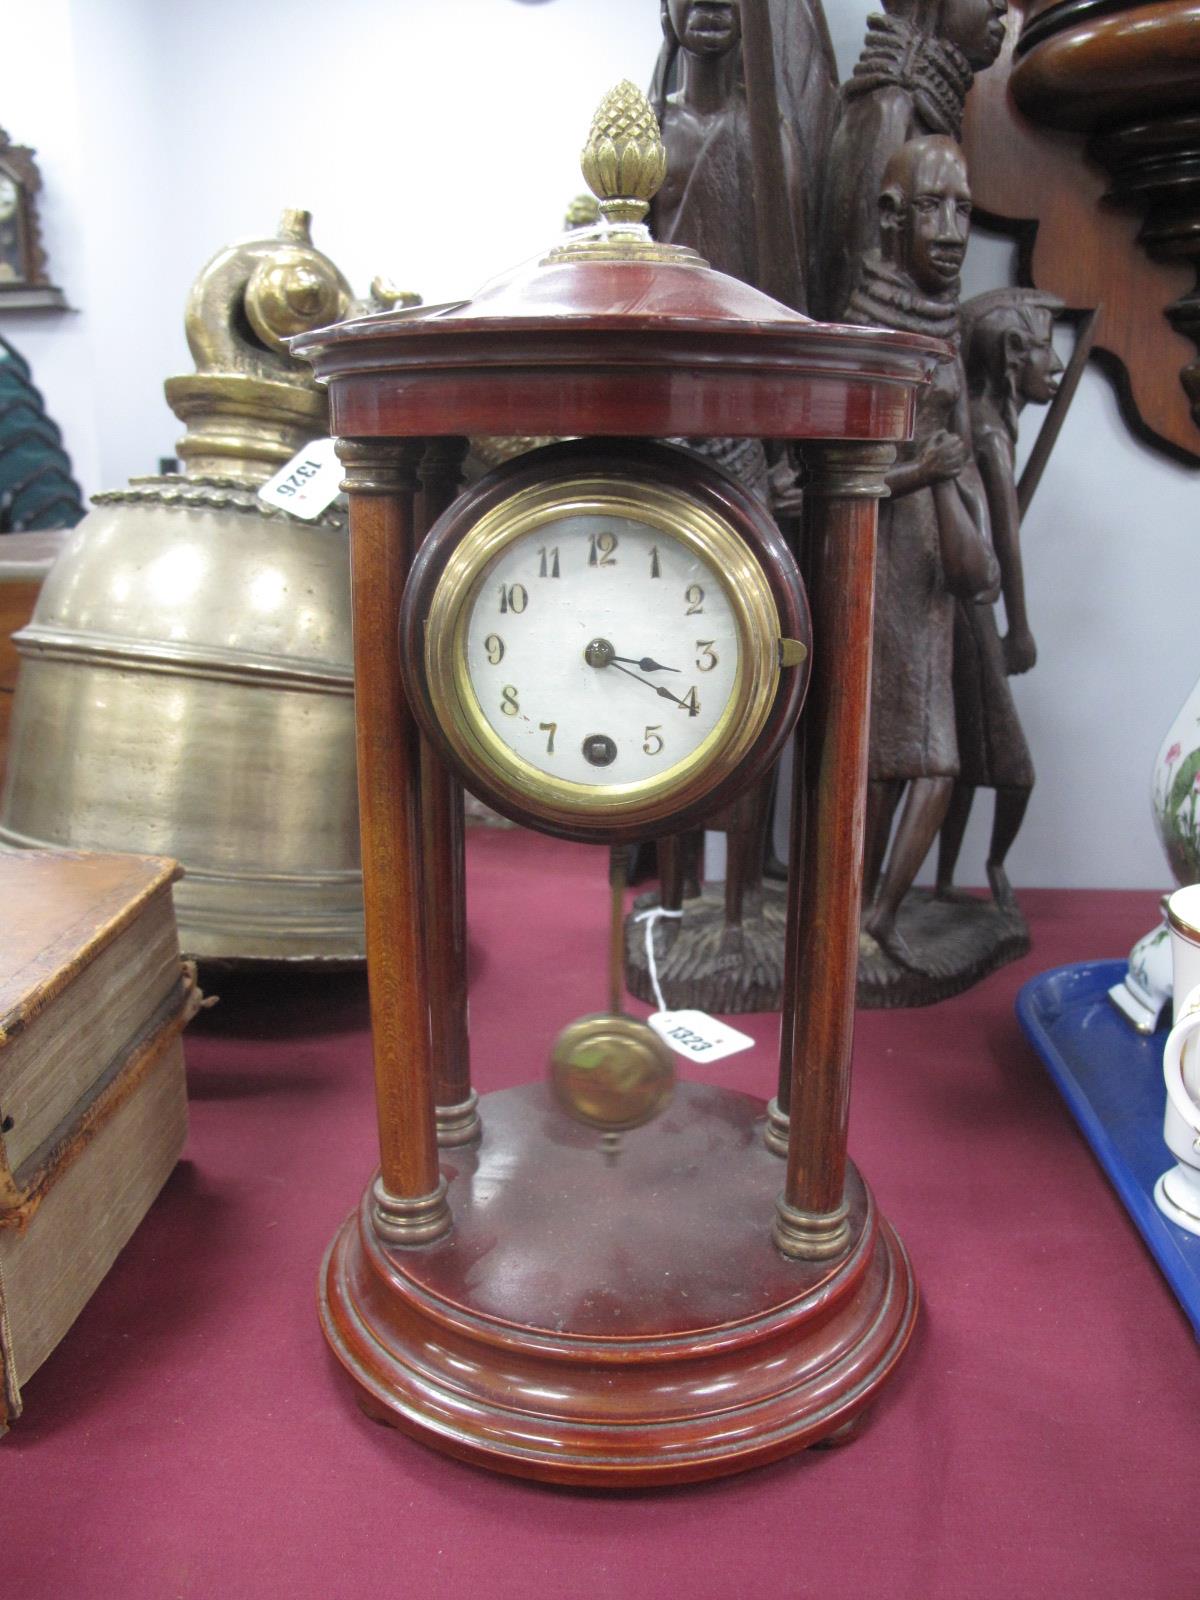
(24, 282)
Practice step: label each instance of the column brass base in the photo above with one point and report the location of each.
(406, 1222)
(811, 1235)
(459, 1124)
(775, 1135)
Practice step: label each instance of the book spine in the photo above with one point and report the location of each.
(66, 957)
(21, 1193)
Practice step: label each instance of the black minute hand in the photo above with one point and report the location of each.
(647, 664)
(657, 687)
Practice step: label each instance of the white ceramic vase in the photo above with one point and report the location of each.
(1176, 791)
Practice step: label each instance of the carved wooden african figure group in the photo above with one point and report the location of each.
(875, 197)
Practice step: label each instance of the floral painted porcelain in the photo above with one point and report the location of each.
(1176, 791)
(1144, 997)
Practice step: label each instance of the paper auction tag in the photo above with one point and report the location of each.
(697, 1035)
(308, 483)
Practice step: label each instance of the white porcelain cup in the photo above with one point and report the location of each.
(1177, 1192)
(1183, 919)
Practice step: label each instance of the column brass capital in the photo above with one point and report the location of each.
(409, 1221)
(847, 469)
(380, 466)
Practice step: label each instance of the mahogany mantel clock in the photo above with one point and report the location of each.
(607, 638)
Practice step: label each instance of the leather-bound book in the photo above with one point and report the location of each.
(93, 1112)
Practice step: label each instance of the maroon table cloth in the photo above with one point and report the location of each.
(192, 1437)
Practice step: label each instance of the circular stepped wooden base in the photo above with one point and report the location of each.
(617, 1317)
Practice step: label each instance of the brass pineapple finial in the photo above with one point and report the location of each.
(624, 161)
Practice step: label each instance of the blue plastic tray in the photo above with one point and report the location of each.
(1111, 1078)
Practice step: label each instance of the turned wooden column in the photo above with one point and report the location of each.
(826, 847)
(409, 1196)
(442, 832)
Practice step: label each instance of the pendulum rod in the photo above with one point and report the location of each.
(617, 876)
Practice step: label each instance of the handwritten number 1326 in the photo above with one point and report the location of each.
(296, 480)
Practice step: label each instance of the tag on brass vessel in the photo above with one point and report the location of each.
(308, 483)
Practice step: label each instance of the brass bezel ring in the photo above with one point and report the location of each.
(671, 513)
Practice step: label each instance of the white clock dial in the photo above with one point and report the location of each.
(594, 637)
(601, 650)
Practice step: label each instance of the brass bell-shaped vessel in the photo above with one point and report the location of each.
(186, 683)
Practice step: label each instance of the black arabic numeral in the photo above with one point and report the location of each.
(602, 549)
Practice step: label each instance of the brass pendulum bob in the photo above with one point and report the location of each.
(610, 1070)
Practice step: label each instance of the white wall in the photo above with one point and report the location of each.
(436, 141)
(39, 94)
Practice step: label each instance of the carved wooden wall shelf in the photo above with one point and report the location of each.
(1084, 140)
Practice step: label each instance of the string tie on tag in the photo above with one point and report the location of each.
(650, 918)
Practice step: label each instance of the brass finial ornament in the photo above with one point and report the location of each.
(624, 163)
(385, 296)
(249, 406)
(294, 288)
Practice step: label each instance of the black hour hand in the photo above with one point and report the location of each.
(613, 662)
